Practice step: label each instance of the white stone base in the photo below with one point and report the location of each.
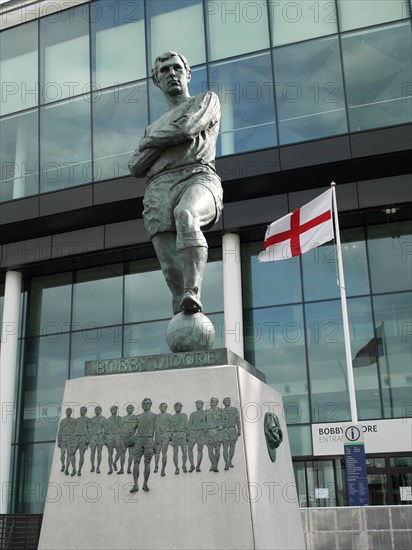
(251, 506)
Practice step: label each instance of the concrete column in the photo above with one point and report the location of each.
(8, 378)
(232, 292)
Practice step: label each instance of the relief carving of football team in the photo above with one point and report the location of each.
(146, 435)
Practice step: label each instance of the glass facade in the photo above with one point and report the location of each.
(309, 90)
(78, 316)
(19, 78)
(19, 158)
(235, 28)
(64, 55)
(245, 89)
(321, 483)
(119, 119)
(294, 327)
(301, 20)
(377, 67)
(65, 134)
(164, 15)
(285, 72)
(118, 44)
(293, 333)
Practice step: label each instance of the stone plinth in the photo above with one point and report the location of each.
(252, 505)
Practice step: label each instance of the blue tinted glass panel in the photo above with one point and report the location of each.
(355, 262)
(145, 339)
(19, 68)
(64, 54)
(35, 464)
(46, 362)
(147, 296)
(364, 13)
(365, 369)
(300, 440)
(236, 28)
(119, 120)
(309, 90)
(97, 298)
(212, 286)
(393, 315)
(245, 90)
(94, 344)
(269, 283)
(19, 156)
(275, 344)
(390, 260)
(299, 470)
(377, 65)
(118, 42)
(320, 269)
(327, 362)
(65, 144)
(176, 25)
(50, 305)
(218, 323)
(301, 20)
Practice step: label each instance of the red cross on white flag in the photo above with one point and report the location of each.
(301, 230)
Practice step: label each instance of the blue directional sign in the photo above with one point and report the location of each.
(355, 462)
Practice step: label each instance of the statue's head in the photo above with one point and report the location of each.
(129, 409)
(146, 404)
(83, 410)
(69, 411)
(113, 410)
(226, 401)
(199, 404)
(163, 407)
(178, 407)
(166, 60)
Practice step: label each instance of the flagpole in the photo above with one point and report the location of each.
(346, 334)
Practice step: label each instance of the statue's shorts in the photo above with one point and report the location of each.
(229, 434)
(164, 192)
(77, 442)
(179, 438)
(143, 446)
(114, 440)
(214, 435)
(197, 436)
(162, 439)
(65, 441)
(96, 440)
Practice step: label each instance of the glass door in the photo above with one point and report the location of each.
(401, 479)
